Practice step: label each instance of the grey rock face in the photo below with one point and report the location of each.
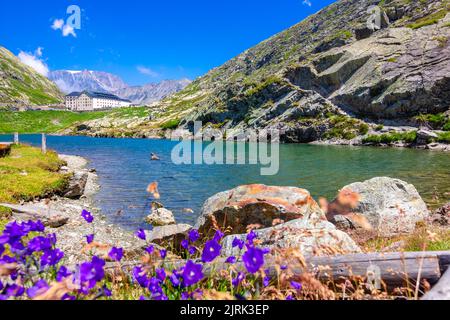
(425, 136)
(172, 233)
(394, 73)
(317, 238)
(391, 206)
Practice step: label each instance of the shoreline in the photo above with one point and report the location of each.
(436, 146)
(70, 228)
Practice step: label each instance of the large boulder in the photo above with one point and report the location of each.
(174, 234)
(256, 205)
(161, 217)
(317, 238)
(389, 206)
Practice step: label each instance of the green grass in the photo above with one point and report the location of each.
(257, 88)
(428, 238)
(437, 121)
(171, 124)
(345, 128)
(408, 137)
(42, 121)
(428, 20)
(444, 137)
(27, 174)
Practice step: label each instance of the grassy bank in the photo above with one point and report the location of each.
(42, 121)
(54, 121)
(27, 174)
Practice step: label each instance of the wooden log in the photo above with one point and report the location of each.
(395, 269)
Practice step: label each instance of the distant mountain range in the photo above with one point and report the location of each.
(70, 81)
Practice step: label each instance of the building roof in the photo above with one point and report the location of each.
(98, 95)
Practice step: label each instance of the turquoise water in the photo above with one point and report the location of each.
(125, 170)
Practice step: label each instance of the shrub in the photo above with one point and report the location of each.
(408, 137)
(428, 20)
(171, 124)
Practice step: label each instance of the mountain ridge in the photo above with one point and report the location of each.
(99, 81)
(20, 85)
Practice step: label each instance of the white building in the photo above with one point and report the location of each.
(90, 101)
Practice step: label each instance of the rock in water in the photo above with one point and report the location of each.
(256, 205)
(161, 217)
(319, 238)
(391, 206)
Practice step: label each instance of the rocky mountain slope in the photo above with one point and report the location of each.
(152, 92)
(70, 81)
(20, 85)
(328, 75)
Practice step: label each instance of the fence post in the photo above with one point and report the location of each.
(44, 144)
(16, 138)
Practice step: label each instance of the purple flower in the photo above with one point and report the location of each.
(231, 260)
(218, 236)
(150, 249)
(192, 250)
(51, 257)
(141, 234)
(185, 244)
(87, 216)
(92, 272)
(266, 281)
(194, 235)
(90, 238)
(283, 267)
(2, 249)
(154, 286)
(290, 298)
(39, 244)
(14, 290)
(211, 251)
(39, 288)
(192, 273)
(62, 274)
(175, 278)
(253, 259)
(116, 254)
(106, 291)
(68, 297)
(238, 243)
(251, 237)
(161, 274)
(237, 281)
(163, 253)
(296, 285)
(140, 277)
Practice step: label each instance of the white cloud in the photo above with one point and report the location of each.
(33, 61)
(38, 52)
(307, 3)
(58, 24)
(147, 71)
(66, 30)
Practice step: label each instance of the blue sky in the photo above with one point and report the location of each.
(145, 41)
